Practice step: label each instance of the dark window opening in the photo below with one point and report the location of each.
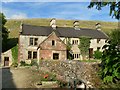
(73, 42)
(90, 52)
(35, 42)
(53, 42)
(34, 55)
(98, 48)
(29, 54)
(31, 41)
(98, 40)
(6, 61)
(55, 55)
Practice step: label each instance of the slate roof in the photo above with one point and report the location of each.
(61, 31)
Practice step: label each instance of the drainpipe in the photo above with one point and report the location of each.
(38, 58)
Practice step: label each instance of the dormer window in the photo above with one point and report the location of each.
(53, 42)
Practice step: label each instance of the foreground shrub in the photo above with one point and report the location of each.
(110, 71)
(14, 64)
(97, 54)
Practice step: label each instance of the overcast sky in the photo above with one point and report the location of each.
(59, 10)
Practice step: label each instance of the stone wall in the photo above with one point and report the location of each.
(71, 70)
(7, 54)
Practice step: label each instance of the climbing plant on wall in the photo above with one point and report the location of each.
(15, 54)
(69, 46)
(84, 46)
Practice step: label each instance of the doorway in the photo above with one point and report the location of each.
(6, 61)
(90, 52)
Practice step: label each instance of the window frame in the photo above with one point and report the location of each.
(31, 55)
(33, 41)
(53, 42)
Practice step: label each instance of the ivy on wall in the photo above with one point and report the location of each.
(84, 46)
(15, 54)
(69, 46)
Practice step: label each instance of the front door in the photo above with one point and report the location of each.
(91, 53)
(6, 61)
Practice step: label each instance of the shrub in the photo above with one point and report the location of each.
(34, 63)
(22, 63)
(97, 54)
(110, 71)
(14, 64)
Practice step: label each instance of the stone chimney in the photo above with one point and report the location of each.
(53, 23)
(76, 25)
(21, 27)
(98, 26)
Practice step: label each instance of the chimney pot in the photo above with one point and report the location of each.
(98, 26)
(53, 23)
(76, 25)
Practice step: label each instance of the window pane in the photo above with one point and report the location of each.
(31, 41)
(36, 40)
(55, 55)
(29, 54)
(72, 41)
(34, 55)
(53, 42)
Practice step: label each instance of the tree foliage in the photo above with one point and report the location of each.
(4, 31)
(114, 7)
(84, 46)
(97, 54)
(110, 71)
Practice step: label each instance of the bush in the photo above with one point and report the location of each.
(22, 63)
(14, 64)
(34, 63)
(97, 54)
(110, 70)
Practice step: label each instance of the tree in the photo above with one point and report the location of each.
(84, 46)
(114, 7)
(110, 71)
(4, 31)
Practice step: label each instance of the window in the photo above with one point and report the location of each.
(29, 54)
(55, 55)
(32, 55)
(53, 43)
(76, 56)
(33, 41)
(98, 48)
(98, 40)
(75, 42)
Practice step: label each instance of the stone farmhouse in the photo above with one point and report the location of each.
(49, 42)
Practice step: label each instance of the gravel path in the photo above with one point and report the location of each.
(17, 78)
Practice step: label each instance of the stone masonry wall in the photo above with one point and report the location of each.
(71, 70)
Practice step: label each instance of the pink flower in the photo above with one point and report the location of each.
(46, 76)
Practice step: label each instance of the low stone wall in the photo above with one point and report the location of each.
(71, 70)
